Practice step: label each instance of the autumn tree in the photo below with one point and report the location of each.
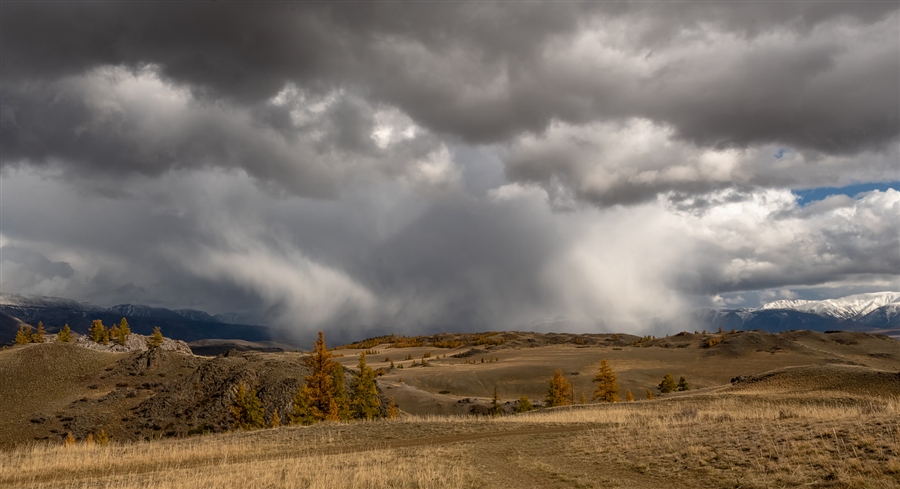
(303, 412)
(524, 405)
(23, 336)
(341, 399)
(98, 331)
(607, 386)
(276, 420)
(114, 333)
(123, 333)
(560, 391)
(392, 410)
(668, 384)
(40, 334)
(103, 438)
(365, 402)
(629, 397)
(246, 408)
(320, 382)
(649, 394)
(682, 384)
(65, 334)
(156, 339)
(69, 440)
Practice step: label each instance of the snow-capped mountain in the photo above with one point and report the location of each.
(853, 308)
(879, 312)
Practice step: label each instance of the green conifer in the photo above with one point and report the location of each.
(682, 384)
(524, 405)
(246, 408)
(365, 402)
(341, 399)
(496, 408)
(668, 384)
(303, 411)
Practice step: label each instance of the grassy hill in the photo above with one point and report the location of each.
(804, 409)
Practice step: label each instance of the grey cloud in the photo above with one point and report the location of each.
(118, 123)
(838, 240)
(36, 262)
(638, 160)
(812, 75)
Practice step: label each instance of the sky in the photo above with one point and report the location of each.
(411, 167)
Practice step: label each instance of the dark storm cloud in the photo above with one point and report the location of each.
(471, 165)
(818, 76)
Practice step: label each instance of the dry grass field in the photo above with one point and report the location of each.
(816, 410)
(735, 438)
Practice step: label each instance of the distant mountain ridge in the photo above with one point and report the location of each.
(183, 324)
(854, 307)
(873, 312)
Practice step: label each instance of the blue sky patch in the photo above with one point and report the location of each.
(814, 194)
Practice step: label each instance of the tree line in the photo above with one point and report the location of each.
(322, 397)
(98, 333)
(562, 393)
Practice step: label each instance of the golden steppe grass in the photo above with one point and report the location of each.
(747, 438)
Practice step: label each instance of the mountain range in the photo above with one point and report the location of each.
(873, 312)
(877, 312)
(182, 324)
